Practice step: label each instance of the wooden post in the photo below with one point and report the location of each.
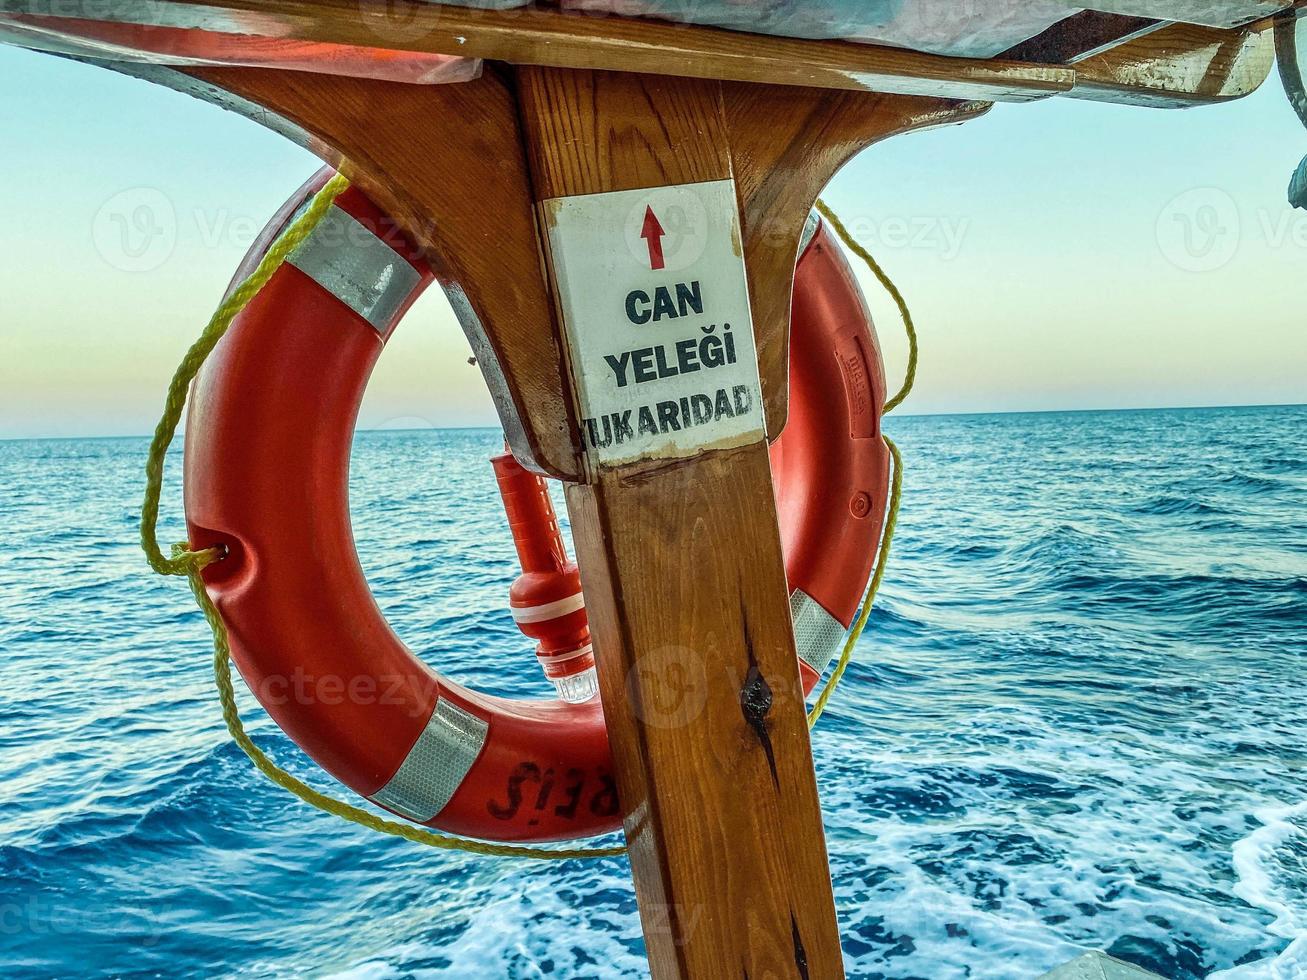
(687, 599)
(685, 584)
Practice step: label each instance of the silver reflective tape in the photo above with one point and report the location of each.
(436, 764)
(358, 268)
(817, 634)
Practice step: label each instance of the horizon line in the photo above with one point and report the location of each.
(904, 415)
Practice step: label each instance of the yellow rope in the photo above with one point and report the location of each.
(413, 832)
(882, 559)
(854, 246)
(190, 563)
(183, 562)
(896, 485)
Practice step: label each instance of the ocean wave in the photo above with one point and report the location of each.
(1170, 505)
(1284, 464)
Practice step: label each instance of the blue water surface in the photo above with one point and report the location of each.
(1078, 719)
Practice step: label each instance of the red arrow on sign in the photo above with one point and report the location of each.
(653, 233)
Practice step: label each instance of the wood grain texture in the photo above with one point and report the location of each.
(1178, 66)
(446, 162)
(786, 145)
(685, 586)
(688, 610)
(594, 131)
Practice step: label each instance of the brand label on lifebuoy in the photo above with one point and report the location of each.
(655, 305)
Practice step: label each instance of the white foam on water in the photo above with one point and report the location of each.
(1019, 843)
(1256, 859)
(536, 932)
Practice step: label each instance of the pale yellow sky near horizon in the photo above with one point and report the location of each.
(1059, 255)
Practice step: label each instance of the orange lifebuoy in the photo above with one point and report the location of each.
(266, 476)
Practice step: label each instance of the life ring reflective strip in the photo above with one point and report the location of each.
(266, 474)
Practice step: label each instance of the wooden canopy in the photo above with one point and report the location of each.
(1170, 53)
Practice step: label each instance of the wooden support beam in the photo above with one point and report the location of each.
(786, 144)
(545, 36)
(446, 162)
(685, 586)
(1295, 10)
(1179, 66)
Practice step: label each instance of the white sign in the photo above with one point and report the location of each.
(655, 306)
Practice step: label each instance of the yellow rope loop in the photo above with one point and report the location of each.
(897, 480)
(896, 486)
(175, 401)
(854, 246)
(183, 561)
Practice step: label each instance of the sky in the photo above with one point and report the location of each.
(1056, 255)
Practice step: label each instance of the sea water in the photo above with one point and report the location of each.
(1078, 719)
